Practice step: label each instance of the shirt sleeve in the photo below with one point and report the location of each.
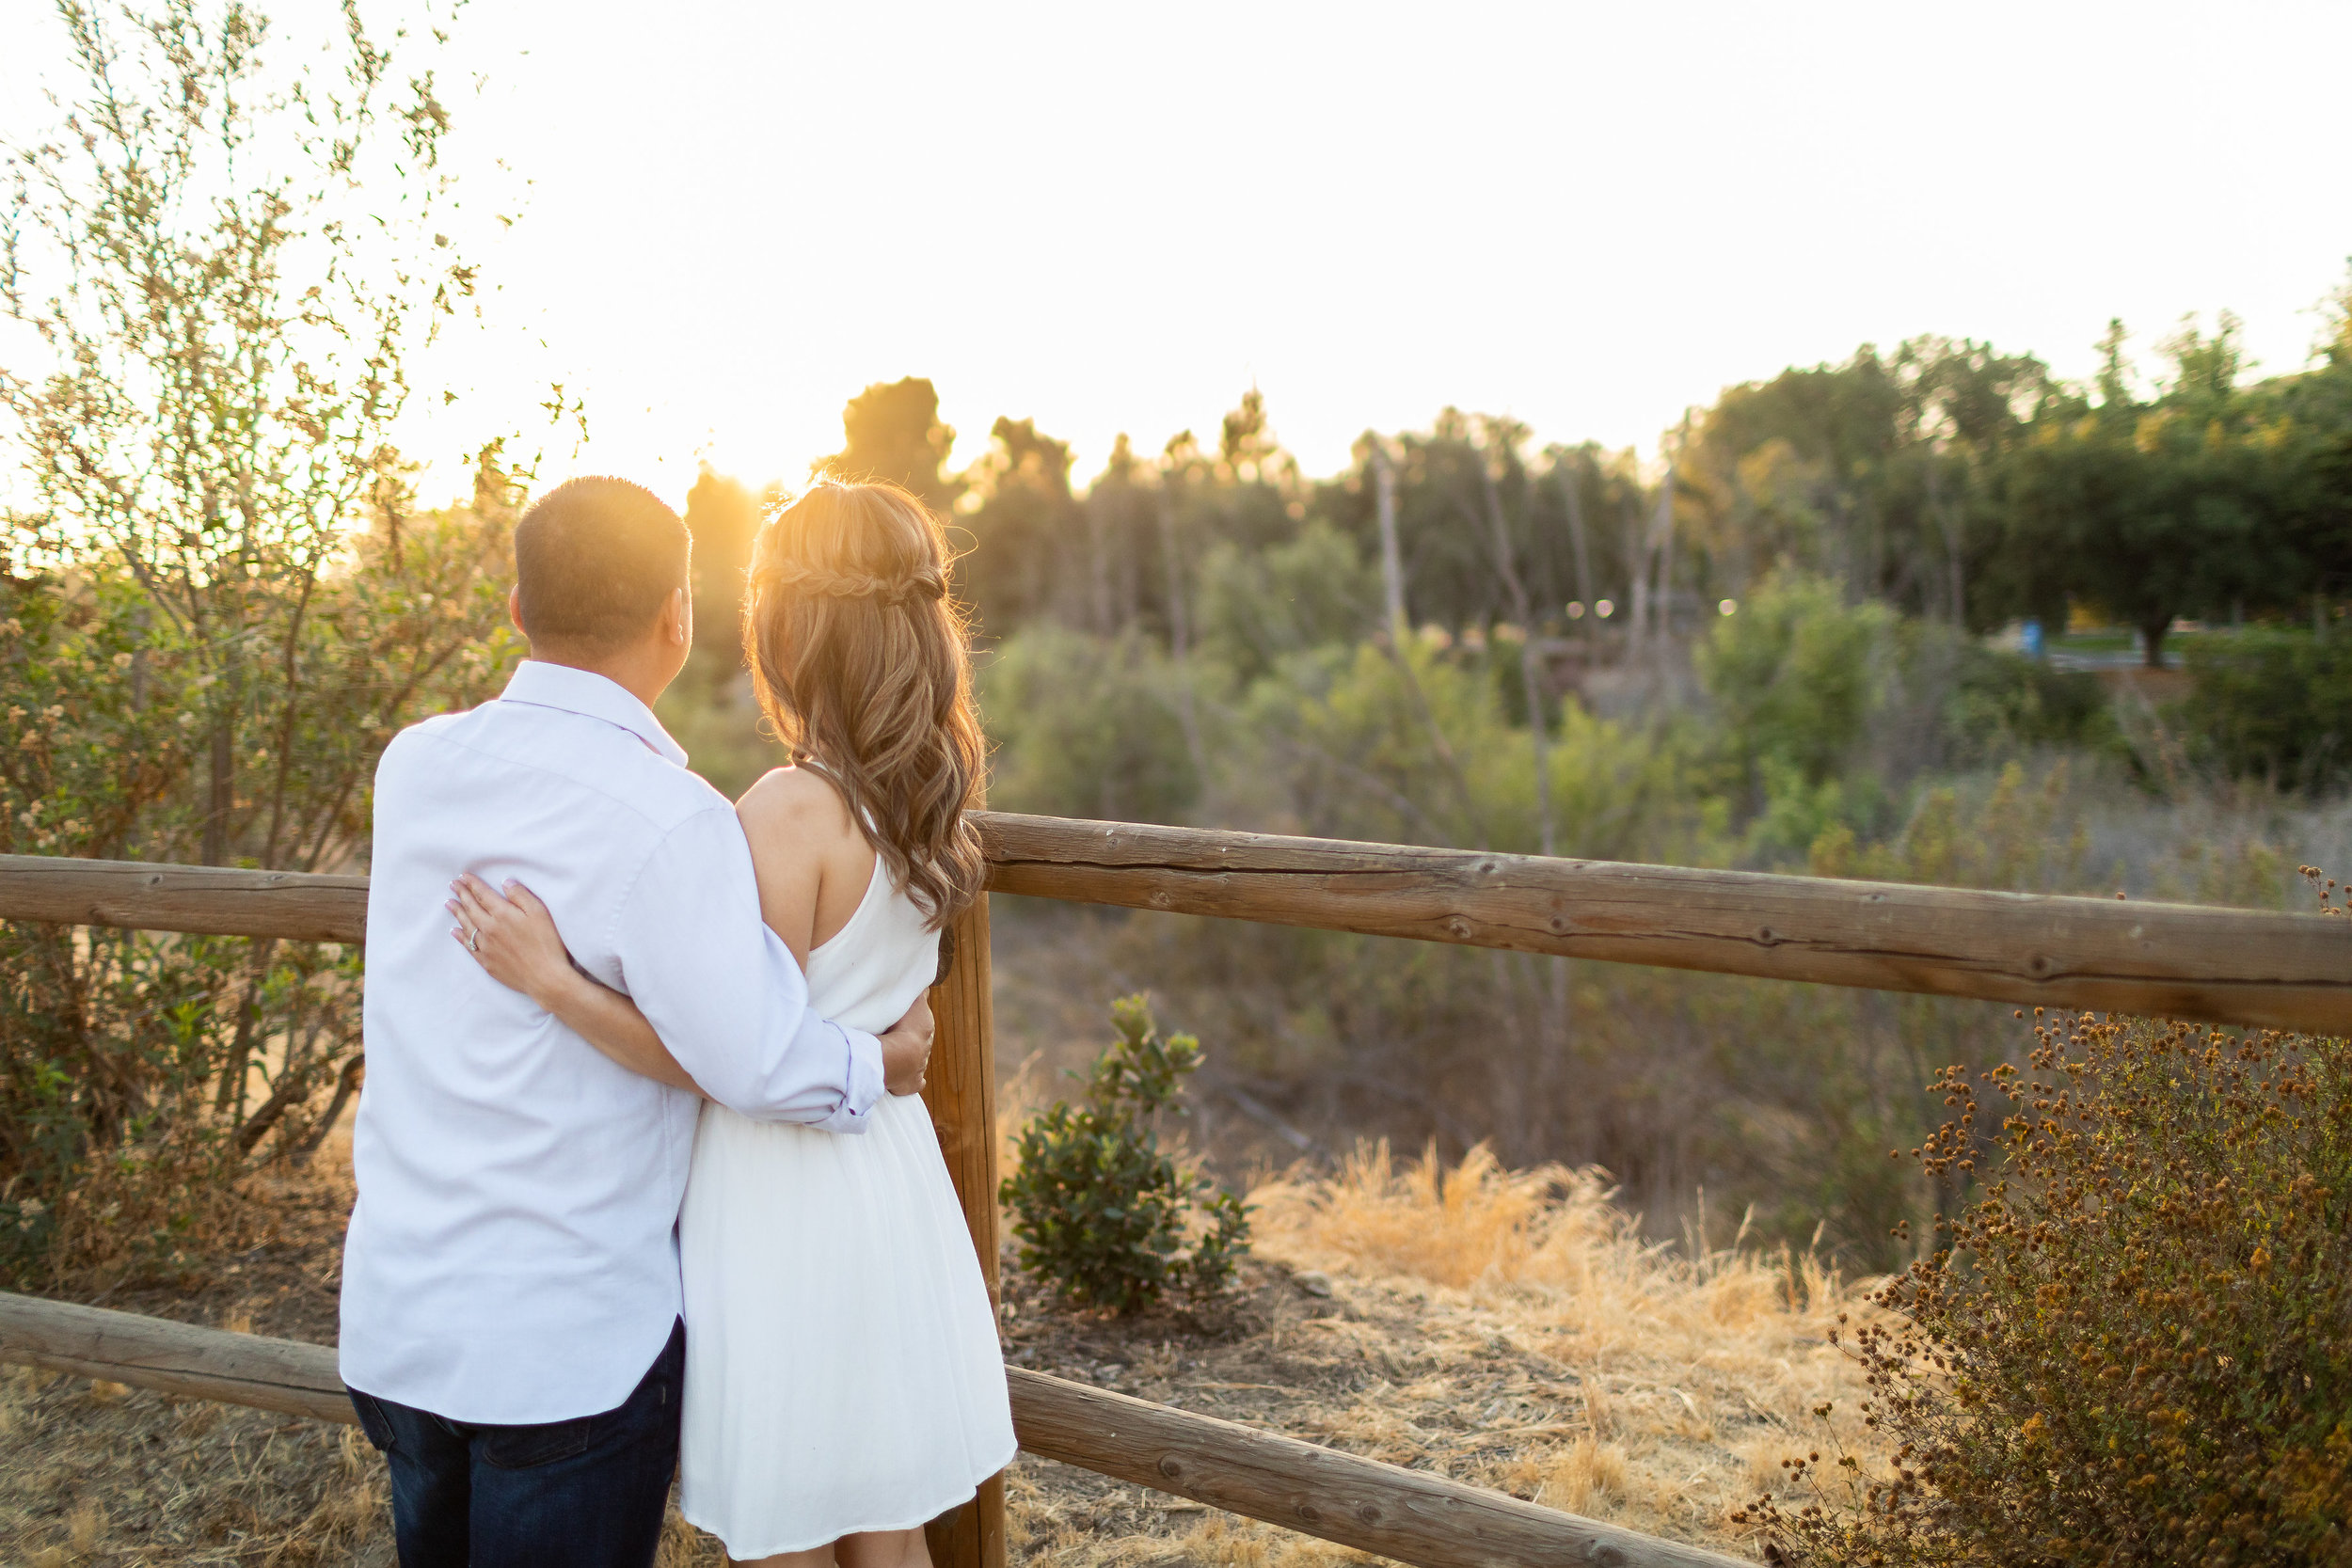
(725, 995)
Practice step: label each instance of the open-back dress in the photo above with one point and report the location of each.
(842, 1367)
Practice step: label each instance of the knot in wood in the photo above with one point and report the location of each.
(1171, 1466)
(1457, 926)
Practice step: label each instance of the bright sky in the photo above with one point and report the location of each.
(1116, 217)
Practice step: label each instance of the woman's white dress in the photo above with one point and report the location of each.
(842, 1369)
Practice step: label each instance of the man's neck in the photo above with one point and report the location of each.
(642, 677)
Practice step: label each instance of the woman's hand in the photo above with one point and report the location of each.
(906, 1050)
(514, 938)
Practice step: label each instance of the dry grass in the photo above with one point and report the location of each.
(1681, 1381)
(1504, 1328)
(97, 1473)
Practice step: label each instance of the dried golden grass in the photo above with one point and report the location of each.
(100, 1473)
(1686, 1379)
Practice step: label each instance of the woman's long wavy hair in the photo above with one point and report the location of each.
(858, 655)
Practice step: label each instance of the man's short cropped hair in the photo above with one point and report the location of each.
(594, 560)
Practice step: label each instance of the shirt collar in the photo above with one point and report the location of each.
(539, 684)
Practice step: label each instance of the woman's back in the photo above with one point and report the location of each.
(868, 974)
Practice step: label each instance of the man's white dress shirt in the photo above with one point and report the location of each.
(512, 1258)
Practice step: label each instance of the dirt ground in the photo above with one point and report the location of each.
(1501, 1328)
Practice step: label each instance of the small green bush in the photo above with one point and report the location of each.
(2273, 704)
(1796, 679)
(2003, 700)
(2137, 1347)
(1098, 1207)
(1086, 726)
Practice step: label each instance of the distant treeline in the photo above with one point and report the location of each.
(1198, 635)
(1947, 479)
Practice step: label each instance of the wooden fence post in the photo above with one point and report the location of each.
(962, 1095)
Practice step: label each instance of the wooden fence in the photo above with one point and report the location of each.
(2224, 966)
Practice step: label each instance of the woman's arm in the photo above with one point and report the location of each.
(514, 939)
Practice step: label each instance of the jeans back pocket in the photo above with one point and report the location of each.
(522, 1448)
(372, 1420)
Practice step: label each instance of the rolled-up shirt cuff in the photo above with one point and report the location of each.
(864, 1081)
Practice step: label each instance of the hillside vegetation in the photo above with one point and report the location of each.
(1506, 1328)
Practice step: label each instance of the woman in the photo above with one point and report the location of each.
(843, 1379)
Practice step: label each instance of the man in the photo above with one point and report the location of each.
(510, 1295)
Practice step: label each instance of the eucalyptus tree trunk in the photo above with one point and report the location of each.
(1662, 537)
(1549, 981)
(1948, 526)
(1391, 560)
(1531, 684)
(1179, 632)
(1637, 584)
(1572, 491)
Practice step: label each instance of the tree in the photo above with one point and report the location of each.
(1879, 471)
(2315, 500)
(721, 517)
(1025, 529)
(222, 589)
(2152, 511)
(894, 433)
(228, 352)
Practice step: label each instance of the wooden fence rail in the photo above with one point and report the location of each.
(2173, 960)
(1410, 1515)
(2170, 961)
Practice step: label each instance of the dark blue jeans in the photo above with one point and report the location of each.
(589, 1492)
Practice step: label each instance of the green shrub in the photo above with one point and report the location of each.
(2005, 700)
(1099, 1209)
(1795, 678)
(143, 1073)
(1086, 726)
(1258, 604)
(2137, 1346)
(2272, 705)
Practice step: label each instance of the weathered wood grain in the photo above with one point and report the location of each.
(962, 1095)
(178, 1358)
(2173, 961)
(217, 900)
(1410, 1515)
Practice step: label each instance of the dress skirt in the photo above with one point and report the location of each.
(842, 1366)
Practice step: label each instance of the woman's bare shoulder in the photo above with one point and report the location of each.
(797, 805)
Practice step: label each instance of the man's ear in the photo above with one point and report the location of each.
(677, 619)
(515, 608)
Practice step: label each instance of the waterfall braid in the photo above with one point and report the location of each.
(859, 658)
